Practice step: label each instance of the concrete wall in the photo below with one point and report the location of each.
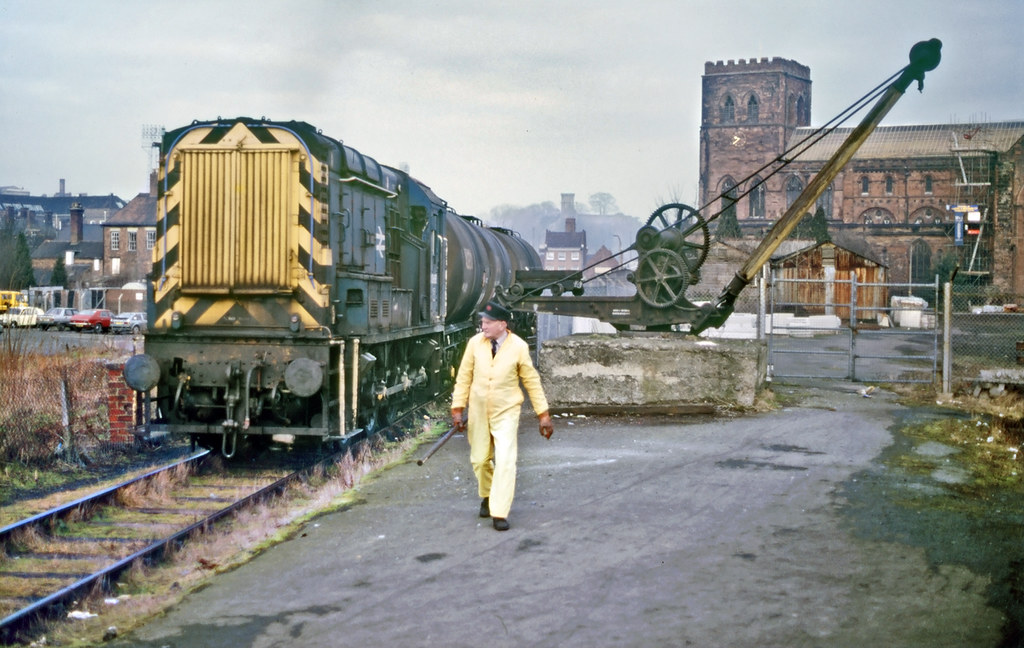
(638, 370)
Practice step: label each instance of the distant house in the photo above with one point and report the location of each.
(83, 260)
(128, 239)
(565, 250)
(600, 262)
(53, 213)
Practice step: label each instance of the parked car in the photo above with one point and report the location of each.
(96, 319)
(23, 316)
(58, 318)
(128, 323)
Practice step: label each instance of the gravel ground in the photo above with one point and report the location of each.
(788, 528)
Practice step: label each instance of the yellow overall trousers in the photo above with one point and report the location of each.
(489, 389)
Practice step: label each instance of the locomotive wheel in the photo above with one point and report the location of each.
(686, 219)
(662, 277)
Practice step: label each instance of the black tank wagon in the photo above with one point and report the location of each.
(300, 287)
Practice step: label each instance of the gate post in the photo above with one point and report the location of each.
(947, 337)
(853, 326)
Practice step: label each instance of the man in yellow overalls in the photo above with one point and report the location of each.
(495, 362)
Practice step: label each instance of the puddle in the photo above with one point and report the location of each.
(928, 499)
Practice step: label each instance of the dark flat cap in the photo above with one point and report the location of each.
(495, 311)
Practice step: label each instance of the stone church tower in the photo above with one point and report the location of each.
(901, 199)
(749, 112)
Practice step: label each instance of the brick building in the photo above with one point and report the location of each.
(894, 201)
(566, 250)
(128, 239)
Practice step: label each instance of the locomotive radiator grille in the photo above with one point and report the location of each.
(236, 215)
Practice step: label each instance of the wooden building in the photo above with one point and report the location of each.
(823, 287)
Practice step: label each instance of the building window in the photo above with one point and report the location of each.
(150, 239)
(133, 241)
(928, 187)
(756, 210)
(115, 239)
(728, 110)
(793, 189)
(561, 256)
(753, 110)
(551, 256)
(115, 266)
(825, 202)
(888, 185)
(863, 185)
(575, 256)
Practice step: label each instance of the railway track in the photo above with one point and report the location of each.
(52, 560)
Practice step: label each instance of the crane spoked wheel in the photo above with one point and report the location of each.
(662, 277)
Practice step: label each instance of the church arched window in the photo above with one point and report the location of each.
(727, 112)
(793, 189)
(753, 110)
(756, 198)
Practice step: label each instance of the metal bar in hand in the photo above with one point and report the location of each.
(437, 445)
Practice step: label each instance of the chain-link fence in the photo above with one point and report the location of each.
(986, 332)
(52, 407)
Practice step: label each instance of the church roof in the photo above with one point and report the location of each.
(932, 140)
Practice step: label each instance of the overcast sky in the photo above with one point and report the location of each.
(490, 103)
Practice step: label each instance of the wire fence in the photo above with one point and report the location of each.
(986, 333)
(894, 332)
(54, 408)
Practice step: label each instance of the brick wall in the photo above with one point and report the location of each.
(122, 405)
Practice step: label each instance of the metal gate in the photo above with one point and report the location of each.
(843, 329)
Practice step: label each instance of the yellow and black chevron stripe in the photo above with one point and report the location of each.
(239, 209)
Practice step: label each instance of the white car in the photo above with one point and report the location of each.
(21, 316)
(58, 318)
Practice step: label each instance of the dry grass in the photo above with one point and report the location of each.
(35, 389)
(155, 489)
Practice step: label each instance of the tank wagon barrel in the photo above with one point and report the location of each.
(299, 287)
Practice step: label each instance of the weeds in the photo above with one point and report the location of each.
(54, 405)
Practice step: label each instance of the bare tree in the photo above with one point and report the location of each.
(603, 203)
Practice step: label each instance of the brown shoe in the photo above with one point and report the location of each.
(500, 524)
(485, 509)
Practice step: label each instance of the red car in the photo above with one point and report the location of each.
(97, 319)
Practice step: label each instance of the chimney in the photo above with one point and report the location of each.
(77, 218)
(568, 204)
(61, 187)
(570, 224)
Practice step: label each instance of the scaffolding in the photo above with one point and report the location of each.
(973, 161)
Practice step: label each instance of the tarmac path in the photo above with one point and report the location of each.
(668, 532)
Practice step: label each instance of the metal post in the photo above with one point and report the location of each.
(853, 326)
(947, 337)
(762, 294)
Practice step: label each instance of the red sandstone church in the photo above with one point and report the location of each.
(911, 195)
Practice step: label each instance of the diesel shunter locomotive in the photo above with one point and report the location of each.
(301, 288)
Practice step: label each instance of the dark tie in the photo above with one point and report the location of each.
(494, 347)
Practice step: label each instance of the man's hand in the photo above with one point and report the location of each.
(458, 419)
(546, 429)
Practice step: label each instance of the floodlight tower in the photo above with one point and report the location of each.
(151, 136)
